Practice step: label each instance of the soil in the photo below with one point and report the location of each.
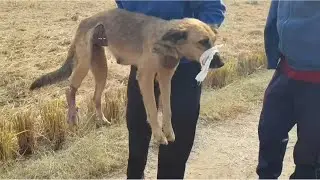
(226, 149)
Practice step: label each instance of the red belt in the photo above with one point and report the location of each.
(307, 76)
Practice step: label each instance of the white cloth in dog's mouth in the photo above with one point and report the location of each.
(205, 61)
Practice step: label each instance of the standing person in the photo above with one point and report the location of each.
(185, 95)
(293, 95)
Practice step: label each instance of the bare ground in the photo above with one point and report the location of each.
(230, 150)
(225, 150)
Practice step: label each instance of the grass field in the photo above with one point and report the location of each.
(35, 141)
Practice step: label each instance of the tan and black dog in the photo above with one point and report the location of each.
(153, 45)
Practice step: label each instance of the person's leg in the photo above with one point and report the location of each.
(276, 120)
(307, 148)
(138, 127)
(185, 104)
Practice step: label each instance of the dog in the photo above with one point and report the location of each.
(153, 45)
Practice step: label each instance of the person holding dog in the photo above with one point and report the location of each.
(292, 43)
(185, 98)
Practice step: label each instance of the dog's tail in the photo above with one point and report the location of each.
(58, 75)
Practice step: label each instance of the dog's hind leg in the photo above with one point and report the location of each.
(146, 83)
(99, 69)
(164, 79)
(80, 71)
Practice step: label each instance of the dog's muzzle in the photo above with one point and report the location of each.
(210, 58)
(216, 62)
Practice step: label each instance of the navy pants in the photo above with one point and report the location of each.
(288, 102)
(185, 104)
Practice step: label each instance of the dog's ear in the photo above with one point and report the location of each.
(168, 56)
(167, 44)
(175, 36)
(165, 47)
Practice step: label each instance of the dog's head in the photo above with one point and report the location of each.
(188, 38)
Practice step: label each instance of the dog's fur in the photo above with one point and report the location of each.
(153, 45)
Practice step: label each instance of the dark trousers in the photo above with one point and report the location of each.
(185, 105)
(288, 102)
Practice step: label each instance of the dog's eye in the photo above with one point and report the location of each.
(205, 43)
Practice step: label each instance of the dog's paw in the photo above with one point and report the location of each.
(160, 137)
(105, 121)
(163, 140)
(102, 122)
(170, 136)
(72, 117)
(169, 133)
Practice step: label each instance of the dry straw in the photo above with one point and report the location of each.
(53, 121)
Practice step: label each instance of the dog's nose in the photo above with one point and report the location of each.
(216, 61)
(221, 64)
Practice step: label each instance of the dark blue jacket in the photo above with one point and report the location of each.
(210, 12)
(293, 29)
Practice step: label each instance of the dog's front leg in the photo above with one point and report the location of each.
(165, 76)
(145, 78)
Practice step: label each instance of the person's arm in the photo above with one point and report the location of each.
(271, 36)
(119, 4)
(210, 12)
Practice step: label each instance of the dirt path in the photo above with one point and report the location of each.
(230, 150)
(224, 150)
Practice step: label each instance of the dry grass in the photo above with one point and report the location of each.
(115, 104)
(93, 156)
(8, 141)
(113, 108)
(53, 121)
(102, 151)
(234, 99)
(34, 38)
(25, 128)
(235, 69)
